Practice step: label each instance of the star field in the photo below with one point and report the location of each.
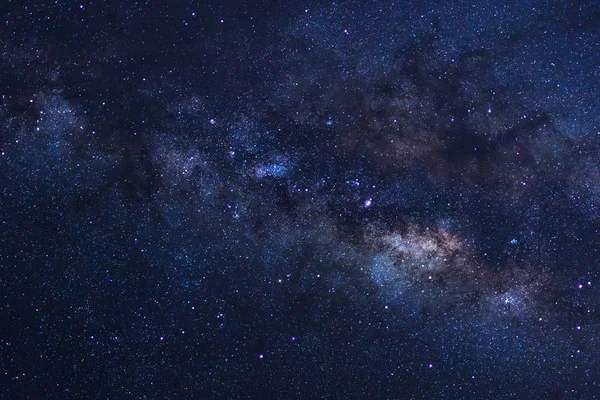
(318, 200)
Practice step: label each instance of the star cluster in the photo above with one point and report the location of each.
(348, 199)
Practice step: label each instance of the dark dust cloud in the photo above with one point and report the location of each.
(313, 200)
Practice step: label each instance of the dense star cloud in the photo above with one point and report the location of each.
(299, 200)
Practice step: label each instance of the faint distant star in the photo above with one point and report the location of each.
(368, 203)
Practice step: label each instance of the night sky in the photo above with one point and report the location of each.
(299, 200)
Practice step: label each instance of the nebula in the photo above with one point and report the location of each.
(314, 200)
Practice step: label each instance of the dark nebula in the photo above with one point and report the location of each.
(287, 200)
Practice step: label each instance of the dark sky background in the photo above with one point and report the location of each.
(315, 200)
